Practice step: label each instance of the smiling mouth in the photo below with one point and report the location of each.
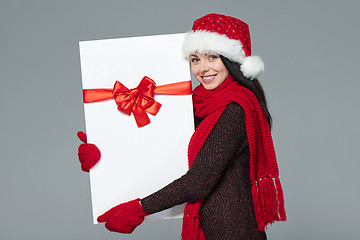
(208, 79)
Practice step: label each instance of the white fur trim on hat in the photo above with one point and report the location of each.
(204, 41)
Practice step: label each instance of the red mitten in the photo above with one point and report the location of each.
(88, 153)
(124, 218)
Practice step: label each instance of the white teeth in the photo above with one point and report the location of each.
(207, 78)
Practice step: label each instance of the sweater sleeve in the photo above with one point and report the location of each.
(226, 139)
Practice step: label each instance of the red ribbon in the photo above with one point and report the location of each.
(139, 100)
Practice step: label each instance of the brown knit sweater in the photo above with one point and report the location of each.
(220, 175)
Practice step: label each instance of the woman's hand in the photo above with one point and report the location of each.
(88, 153)
(124, 218)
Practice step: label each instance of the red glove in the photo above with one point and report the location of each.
(88, 153)
(124, 218)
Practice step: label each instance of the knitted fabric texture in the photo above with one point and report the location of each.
(123, 218)
(264, 174)
(220, 176)
(89, 154)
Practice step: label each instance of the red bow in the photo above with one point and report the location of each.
(138, 101)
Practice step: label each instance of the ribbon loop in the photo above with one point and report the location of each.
(137, 100)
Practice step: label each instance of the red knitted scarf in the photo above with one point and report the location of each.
(264, 174)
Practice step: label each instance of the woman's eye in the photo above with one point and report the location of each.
(212, 57)
(193, 60)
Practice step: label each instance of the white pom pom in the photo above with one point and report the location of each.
(252, 67)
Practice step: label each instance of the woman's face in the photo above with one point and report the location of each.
(208, 69)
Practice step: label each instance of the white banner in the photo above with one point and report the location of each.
(136, 162)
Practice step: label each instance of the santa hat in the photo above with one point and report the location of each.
(227, 36)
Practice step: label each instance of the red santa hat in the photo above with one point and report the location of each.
(227, 36)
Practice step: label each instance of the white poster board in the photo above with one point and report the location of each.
(136, 162)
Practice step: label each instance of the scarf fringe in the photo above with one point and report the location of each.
(191, 229)
(268, 201)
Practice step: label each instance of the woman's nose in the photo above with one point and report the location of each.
(204, 67)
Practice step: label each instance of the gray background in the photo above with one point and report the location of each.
(311, 54)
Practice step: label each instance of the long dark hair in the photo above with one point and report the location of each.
(253, 85)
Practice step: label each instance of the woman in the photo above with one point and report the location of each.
(232, 187)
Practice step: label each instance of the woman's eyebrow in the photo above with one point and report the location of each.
(193, 55)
